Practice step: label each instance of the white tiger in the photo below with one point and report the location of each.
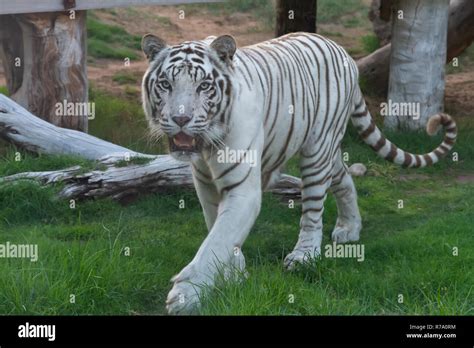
(290, 95)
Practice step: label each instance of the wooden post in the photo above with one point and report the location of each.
(295, 15)
(44, 57)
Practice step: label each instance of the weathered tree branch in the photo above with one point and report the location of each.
(18, 126)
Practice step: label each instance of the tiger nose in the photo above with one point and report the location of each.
(181, 120)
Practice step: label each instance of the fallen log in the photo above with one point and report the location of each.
(121, 183)
(126, 183)
(21, 128)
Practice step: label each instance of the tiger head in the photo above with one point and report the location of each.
(187, 92)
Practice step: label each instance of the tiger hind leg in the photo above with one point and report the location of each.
(348, 224)
(316, 182)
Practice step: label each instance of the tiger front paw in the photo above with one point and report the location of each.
(183, 298)
(297, 257)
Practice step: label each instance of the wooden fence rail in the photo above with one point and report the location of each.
(33, 6)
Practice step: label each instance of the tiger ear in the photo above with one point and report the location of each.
(225, 47)
(152, 45)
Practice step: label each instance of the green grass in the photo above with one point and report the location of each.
(370, 43)
(99, 49)
(352, 22)
(16, 161)
(4, 90)
(465, 62)
(81, 252)
(122, 121)
(110, 41)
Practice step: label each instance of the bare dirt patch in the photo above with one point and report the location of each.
(459, 97)
(411, 177)
(465, 178)
(165, 22)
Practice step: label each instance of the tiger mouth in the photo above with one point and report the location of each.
(183, 142)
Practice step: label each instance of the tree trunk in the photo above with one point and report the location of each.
(295, 15)
(374, 68)
(417, 63)
(44, 58)
(380, 14)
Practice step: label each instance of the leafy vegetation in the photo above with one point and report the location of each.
(465, 62)
(4, 90)
(370, 43)
(110, 41)
(122, 121)
(15, 161)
